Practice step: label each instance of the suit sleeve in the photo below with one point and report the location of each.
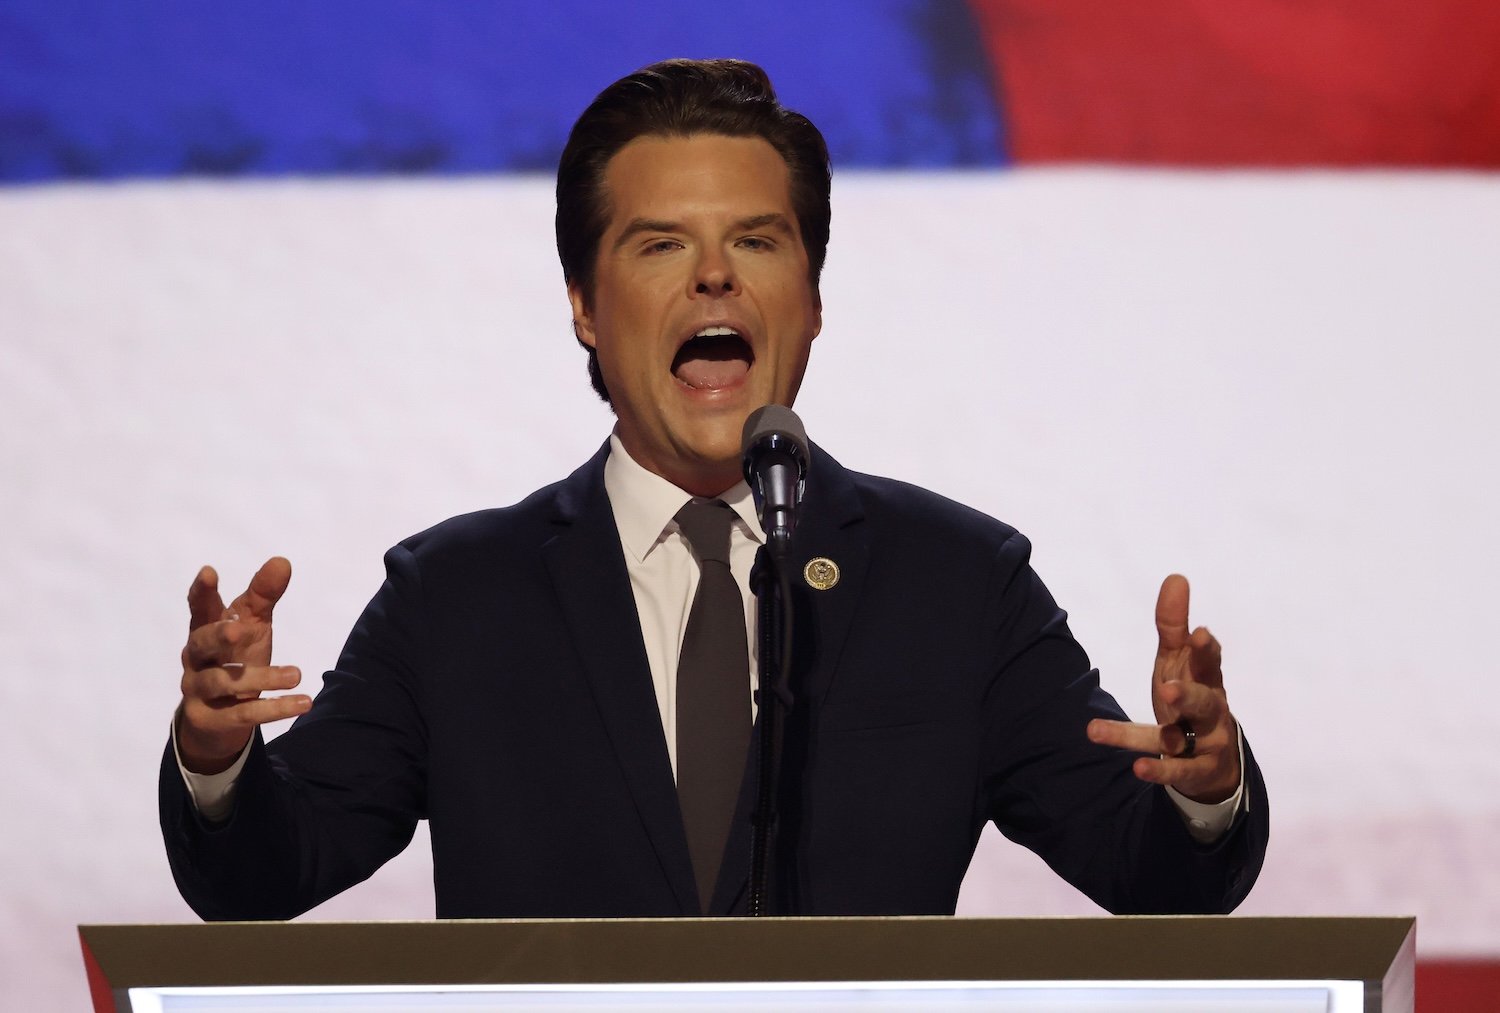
(1077, 804)
(327, 803)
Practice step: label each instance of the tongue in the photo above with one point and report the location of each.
(712, 363)
(711, 374)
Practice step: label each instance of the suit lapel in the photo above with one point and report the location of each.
(587, 566)
(829, 527)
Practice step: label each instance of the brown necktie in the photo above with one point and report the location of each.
(713, 694)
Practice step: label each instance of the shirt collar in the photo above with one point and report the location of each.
(645, 504)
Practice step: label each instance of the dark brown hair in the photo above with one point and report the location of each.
(680, 98)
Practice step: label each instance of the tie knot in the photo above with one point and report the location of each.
(705, 524)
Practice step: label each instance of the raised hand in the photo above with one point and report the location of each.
(1187, 693)
(226, 666)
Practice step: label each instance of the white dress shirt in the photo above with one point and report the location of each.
(664, 573)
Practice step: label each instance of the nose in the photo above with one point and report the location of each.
(713, 275)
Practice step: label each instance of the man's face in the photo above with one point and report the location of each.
(702, 309)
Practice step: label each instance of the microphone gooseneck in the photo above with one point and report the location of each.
(776, 459)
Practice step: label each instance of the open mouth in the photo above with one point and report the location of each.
(712, 359)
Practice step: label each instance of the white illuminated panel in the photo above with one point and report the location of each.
(782, 997)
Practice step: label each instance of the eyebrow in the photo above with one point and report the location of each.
(639, 225)
(774, 219)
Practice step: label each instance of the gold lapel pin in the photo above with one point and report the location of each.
(821, 573)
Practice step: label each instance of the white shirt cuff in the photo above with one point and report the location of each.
(212, 794)
(1208, 821)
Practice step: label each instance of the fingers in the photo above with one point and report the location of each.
(226, 667)
(212, 732)
(1173, 771)
(1203, 705)
(227, 700)
(1205, 658)
(1131, 735)
(1172, 614)
(1200, 707)
(213, 643)
(204, 603)
(1208, 778)
(1187, 685)
(1180, 654)
(231, 683)
(1163, 740)
(221, 707)
(1209, 775)
(225, 716)
(241, 632)
(265, 590)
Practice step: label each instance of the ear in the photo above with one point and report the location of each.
(583, 320)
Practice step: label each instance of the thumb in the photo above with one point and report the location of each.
(265, 590)
(1172, 614)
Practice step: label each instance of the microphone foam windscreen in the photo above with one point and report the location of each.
(773, 418)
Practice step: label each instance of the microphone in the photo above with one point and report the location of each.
(774, 450)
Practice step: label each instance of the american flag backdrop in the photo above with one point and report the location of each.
(1194, 285)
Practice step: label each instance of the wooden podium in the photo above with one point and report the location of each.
(1122, 964)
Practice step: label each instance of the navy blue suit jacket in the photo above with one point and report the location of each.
(497, 685)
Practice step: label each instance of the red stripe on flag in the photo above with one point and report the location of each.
(1458, 986)
(99, 990)
(1248, 82)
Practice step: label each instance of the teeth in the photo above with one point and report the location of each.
(716, 332)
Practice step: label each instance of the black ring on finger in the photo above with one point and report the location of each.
(1189, 740)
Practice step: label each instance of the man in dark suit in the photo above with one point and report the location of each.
(516, 679)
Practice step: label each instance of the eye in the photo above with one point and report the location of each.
(661, 246)
(756, 243)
